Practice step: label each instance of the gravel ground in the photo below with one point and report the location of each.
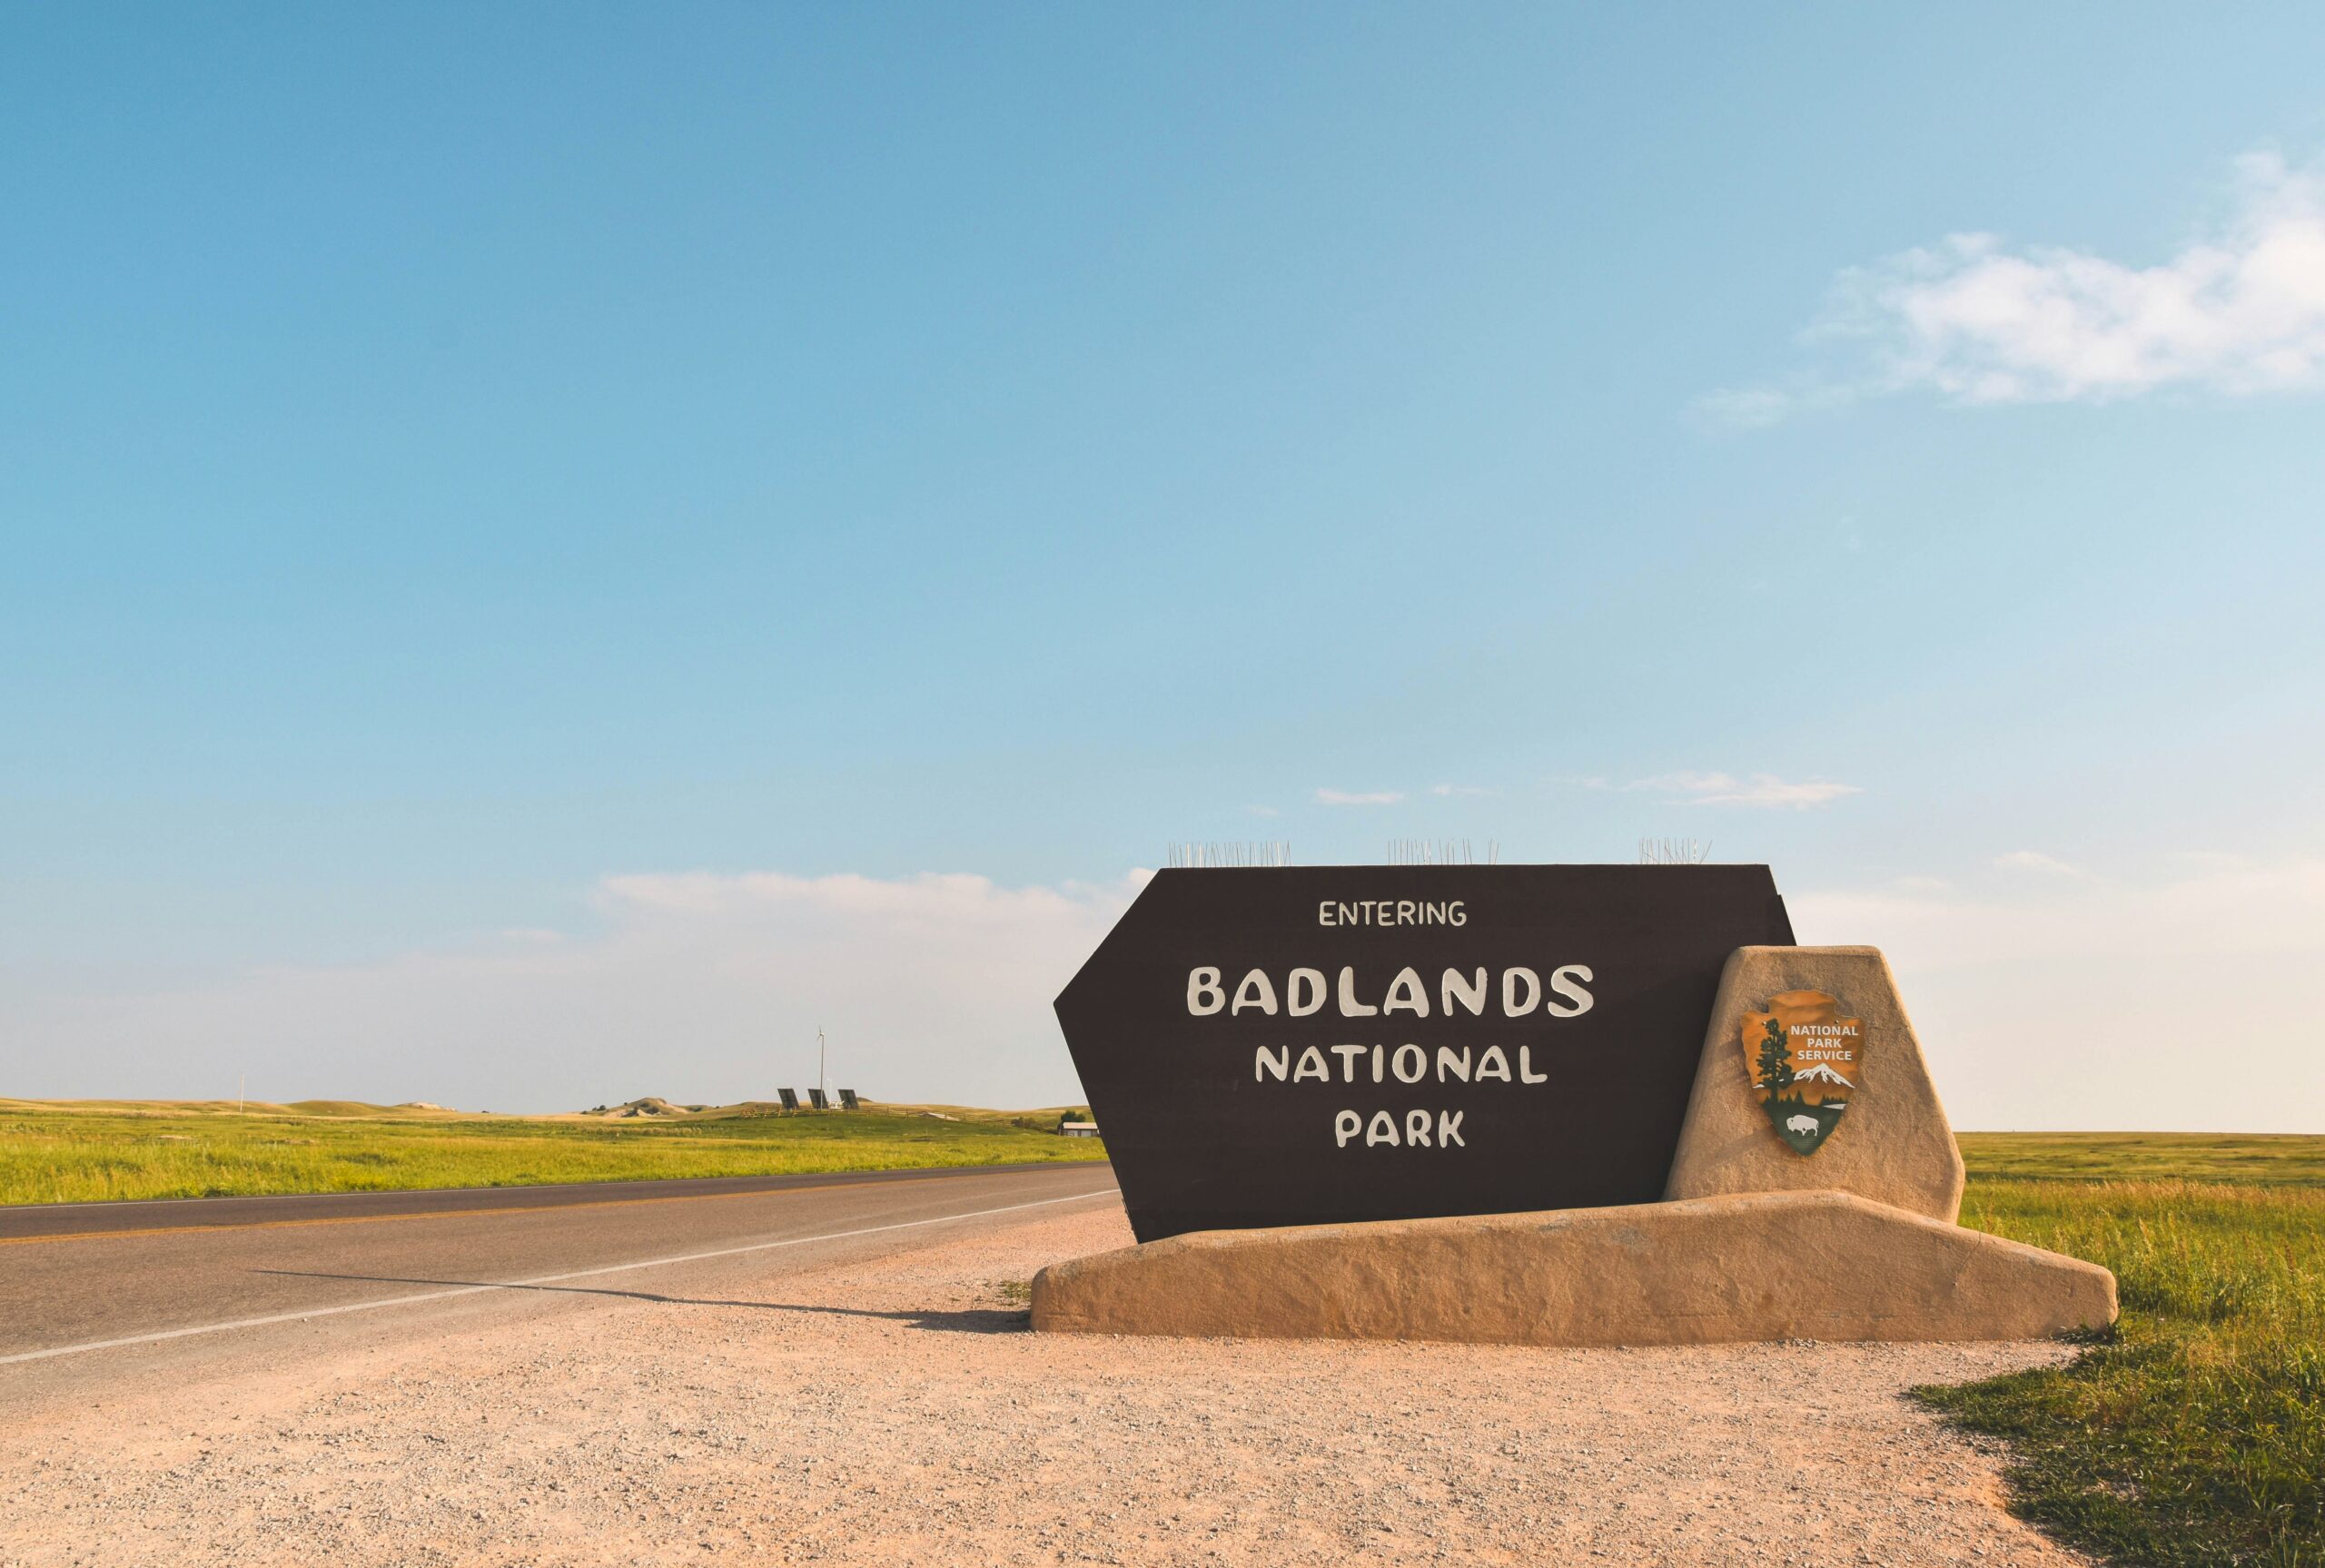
(898, 1411)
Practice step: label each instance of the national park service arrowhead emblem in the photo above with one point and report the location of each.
(1806, 1061)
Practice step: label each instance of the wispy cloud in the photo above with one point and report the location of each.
(2238, 312)
(1446, 790)
(691, 985)
(1359, 797)
(1262, 811)
(1764, 790)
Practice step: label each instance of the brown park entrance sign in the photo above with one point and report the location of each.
(1281, 1046)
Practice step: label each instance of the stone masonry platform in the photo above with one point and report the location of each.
(1757, 1265)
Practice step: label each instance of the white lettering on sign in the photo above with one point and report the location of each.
(1470, 993)
(1407, 994)
(1417, 1131)
(1407, 1063)
(1257, 991)
(1304, 991)
(1391, 911)
(1565, 982)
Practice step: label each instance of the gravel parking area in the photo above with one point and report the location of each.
(898, 1411)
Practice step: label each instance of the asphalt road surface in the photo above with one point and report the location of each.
(93, 1293)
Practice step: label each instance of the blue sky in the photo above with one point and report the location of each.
(476, 482)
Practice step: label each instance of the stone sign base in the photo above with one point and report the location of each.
(1758, 1265)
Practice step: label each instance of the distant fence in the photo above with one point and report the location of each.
(1197, 856)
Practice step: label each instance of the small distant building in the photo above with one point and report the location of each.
(1068, 1127)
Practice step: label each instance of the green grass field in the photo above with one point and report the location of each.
(2232, 1159)
(71, 1153)
(2194, 1433)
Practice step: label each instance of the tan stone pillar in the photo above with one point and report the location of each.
(1892, 1144)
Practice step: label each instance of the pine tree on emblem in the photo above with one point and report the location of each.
(1776, 1061)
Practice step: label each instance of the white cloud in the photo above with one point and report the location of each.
(1262, 811)
(698, 987)
(2036, 861)
(1763, 790)
(1359, 797)
(2240, 311)
(1447, 790)
(2080, 1003)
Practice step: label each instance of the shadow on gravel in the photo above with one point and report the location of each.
(973, 1320)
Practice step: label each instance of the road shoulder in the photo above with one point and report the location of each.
(895, 1409)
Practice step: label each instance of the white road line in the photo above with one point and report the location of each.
(522, 1284)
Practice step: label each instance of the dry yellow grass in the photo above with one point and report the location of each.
(86, 1151)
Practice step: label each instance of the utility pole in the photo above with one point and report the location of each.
(242, 1091)
(823, 1078)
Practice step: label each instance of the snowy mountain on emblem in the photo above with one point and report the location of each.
(1821, 1072)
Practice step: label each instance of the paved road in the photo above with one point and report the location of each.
(59, 1219)
(90, 1293)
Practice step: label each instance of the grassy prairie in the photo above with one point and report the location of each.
(2194, 1431)
(2227, 1158)
(71, 1153)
